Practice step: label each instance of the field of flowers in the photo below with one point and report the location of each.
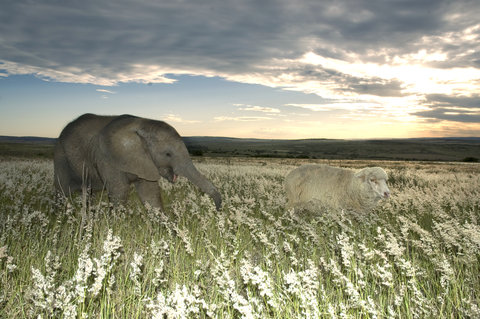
(415, 256)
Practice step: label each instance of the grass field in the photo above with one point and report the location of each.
(415, 256)
(26, 150)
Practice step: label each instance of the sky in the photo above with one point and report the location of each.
(246, 68)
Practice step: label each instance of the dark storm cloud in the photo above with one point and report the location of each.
(107, 39)
(452, 108)
(443, 100)
(112, 35)
(374, 86)
(449, 115)
(347, 83)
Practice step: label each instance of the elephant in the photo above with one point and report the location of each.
(113, 152)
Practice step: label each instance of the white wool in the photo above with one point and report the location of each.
(337, 188)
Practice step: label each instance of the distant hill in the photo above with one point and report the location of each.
(433, 149)
(422, 149)
(26, 146)
(27, 139)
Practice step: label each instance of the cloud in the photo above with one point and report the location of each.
(105, 91)
(173, 118)
(105, 96)
(471, 101)
(256, 108)
(98, 39)
(458, 108)
(376, 86)
(316, 107)
(347, 105)
(241, 118)
(450, 114)
(343, 51)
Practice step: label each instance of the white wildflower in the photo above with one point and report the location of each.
(83, 273)
(384, 274)
(184, 235)
(159, 277)
(160, 248)
(136, 272)
(407, 267)
(260, 279)
(391, 312)
(100, 274)
(11, 267)
(350, 288)
(421, 303)
(398, 299)
(8, 259)
(344, 311)
(447, 272)
(104, 265)
(65, 301)
(473, 310)
(228, 289)
(371, 307)
(42, 293)
(3, 252)
(304, 285)
(347, 251)
(52, 266)
(48, 297)
(179, 304)
(331, 311)
(287, 248)
(367, 253)
(392, 247)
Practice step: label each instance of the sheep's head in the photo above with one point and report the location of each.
(376, 179)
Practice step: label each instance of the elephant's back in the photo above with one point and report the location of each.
(83, 126)
(75, 140)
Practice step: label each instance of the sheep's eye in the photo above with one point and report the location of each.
(373, 180)
(168, 154)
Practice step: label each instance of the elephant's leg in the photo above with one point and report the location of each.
(116, 183)
(64, 180)
(149, 192)
(118, 188)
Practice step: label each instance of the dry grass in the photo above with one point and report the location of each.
(415, 256)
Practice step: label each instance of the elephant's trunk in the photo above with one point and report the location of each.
(190, 172)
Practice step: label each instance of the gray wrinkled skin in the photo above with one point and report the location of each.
(113, 152)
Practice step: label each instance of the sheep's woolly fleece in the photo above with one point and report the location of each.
(314, 186)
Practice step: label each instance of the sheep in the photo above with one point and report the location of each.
(313, 186)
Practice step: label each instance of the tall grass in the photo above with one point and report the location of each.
(415, 256)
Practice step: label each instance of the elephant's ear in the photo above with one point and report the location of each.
(127, 151)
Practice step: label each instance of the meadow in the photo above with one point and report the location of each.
(416, 255)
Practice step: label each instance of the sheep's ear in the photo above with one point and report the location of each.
(362, 174)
